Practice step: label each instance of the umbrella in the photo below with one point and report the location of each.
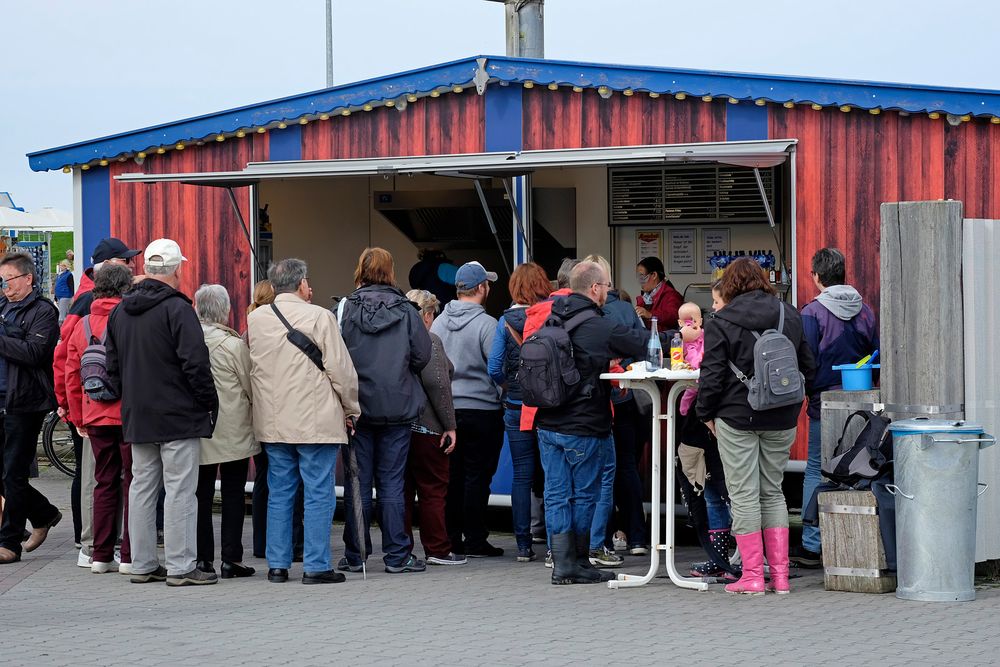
(354, 482)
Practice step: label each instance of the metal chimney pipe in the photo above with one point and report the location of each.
(525, 22)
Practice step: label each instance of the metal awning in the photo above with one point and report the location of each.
(501, 164)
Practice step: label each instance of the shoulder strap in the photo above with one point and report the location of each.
(282, 318)
(513, 334)
(781, 318)
(578, 319)
(90, 334)
(302, 341)
(864, 414)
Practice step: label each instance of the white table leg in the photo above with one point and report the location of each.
(631, 580)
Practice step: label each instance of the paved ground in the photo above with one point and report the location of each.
(488, 612)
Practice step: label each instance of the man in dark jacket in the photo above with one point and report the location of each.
(158, 360)
(573, 438)
(29, 329)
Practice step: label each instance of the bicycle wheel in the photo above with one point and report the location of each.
(57, 443)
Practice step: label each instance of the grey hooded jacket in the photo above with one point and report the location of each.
(467, 333)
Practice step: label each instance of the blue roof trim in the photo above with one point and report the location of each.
(351, 95)
(697, 83)
(774, 88)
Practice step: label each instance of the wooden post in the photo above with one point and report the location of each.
(923, 363)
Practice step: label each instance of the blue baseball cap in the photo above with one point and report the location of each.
(471, 274)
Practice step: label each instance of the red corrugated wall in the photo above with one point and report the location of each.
(430, 126)
(201, 219)
(564, 119)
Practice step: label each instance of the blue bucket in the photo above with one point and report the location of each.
(854, 378)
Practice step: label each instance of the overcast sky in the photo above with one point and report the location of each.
(71, 71)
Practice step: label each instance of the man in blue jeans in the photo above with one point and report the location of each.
(574, 438)
(304, 408)
(839, 329)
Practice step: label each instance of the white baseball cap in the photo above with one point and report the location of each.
(163, 252)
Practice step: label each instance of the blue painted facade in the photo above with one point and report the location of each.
(286, 144)
(96, 193)
(746, 121)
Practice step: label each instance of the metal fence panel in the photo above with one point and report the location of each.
(981, 298)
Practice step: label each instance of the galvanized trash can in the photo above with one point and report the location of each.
(936, 488)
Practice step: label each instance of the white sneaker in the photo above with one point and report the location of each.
(83, 558)
(125, 568)
(619, 541)
(97, 567)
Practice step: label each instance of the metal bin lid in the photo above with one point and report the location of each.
(927, 425)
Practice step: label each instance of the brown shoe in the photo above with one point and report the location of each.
(39, 533)
(8, 556)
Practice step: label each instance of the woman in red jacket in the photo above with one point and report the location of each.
(102, 422)
(658, 297)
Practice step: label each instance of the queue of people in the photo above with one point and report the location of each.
(420, 394)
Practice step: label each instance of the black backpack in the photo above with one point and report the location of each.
(868, 456)
(546, 371)
(94, 366)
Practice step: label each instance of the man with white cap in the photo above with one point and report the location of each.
(467, 333)
(158, 360)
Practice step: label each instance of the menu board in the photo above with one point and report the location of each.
(713, 240)
(683, 245)
(649, 243)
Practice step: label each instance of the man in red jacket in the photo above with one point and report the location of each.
(110, 251)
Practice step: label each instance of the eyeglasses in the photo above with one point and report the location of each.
(643, 277)
(608, 285)
(5, 283)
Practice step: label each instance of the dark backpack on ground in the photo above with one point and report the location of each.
(546, 371)
(855, 462)
(777, 381)
(94, 366)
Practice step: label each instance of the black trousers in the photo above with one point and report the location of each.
(234, 478)
(628, 483)
(473, 464)
(19, 441)
(74, 489)
(259, 509)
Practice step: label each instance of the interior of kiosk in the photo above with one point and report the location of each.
(683, 203)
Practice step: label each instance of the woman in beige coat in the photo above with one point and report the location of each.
(227, 453)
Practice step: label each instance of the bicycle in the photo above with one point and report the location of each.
(57, 443)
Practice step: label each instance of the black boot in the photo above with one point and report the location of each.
(205, 566)
(565, 569)
(582, 550)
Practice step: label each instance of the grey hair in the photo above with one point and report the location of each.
(427, 302)
(160, 270)
(562, 278)
(212, 304)
(112, 281)
(584, 275)
(286, 275)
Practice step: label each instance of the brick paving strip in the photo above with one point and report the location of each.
(490, 612)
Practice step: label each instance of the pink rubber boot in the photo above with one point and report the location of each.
(776, 547)
(752, 549)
